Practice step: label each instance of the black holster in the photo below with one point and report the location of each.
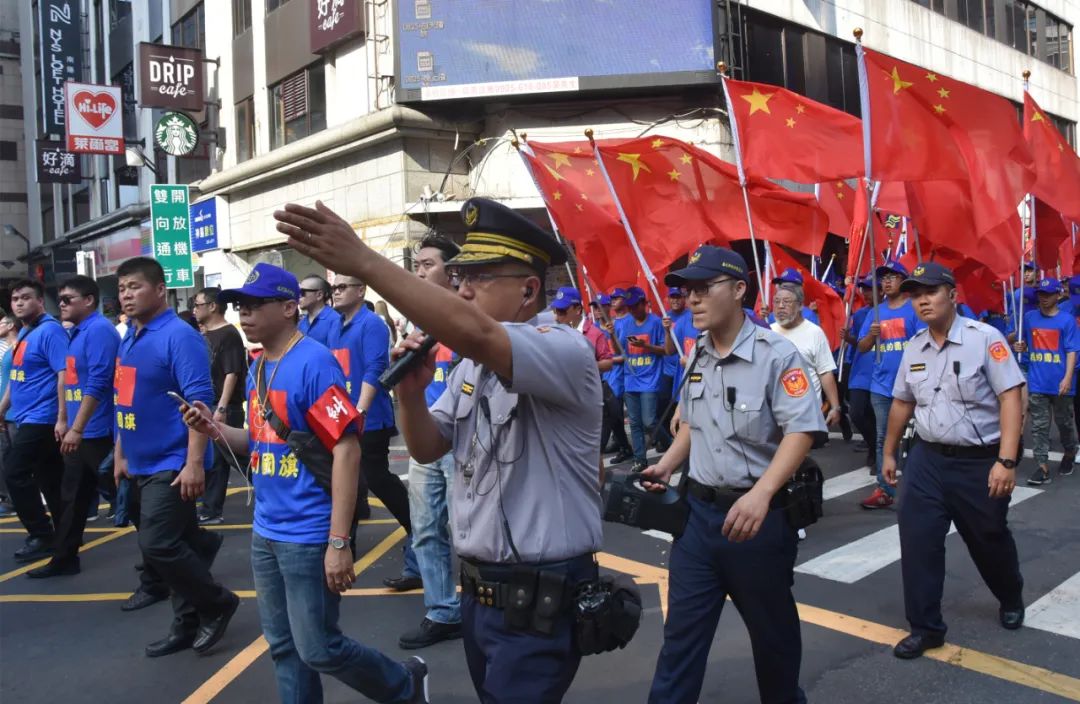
(804, 502)
(607, 613)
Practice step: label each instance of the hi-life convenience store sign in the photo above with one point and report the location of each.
(170, 225)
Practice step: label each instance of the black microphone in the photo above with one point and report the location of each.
(956, 367)
(393, 374)
(731, 396)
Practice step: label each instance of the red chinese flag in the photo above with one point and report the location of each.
(342, 356)
(124, 384)
(677, 197)
(830, 309)
(819, 143)
(20, 352)
(1051, 230)
(1068, 257)
(259, 430)
(925, 126)
(569, 180)
(978, 287)
(1056, 165)
(71, 376)
(331, 416)
(837, 199)
(1045, 339)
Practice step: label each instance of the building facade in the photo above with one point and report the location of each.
(332, 100)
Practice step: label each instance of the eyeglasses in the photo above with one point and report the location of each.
(201, 305)
(702, 288)
(338, 288)
(66, 300)
(458, 279)
(254, 303)
(891, 275)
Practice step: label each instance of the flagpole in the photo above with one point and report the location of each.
(851, 303)
(829, 267)
(722, 68)
(864, 104)
(555, 228)
(650, 277)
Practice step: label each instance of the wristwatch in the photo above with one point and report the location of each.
(338, 543)
(1007, 464)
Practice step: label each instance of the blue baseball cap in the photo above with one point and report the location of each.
(1074, 283)
(708, 262)
(566, 297)
(1048, 286)
(618, 293)
(634, 295)
(1029, 265)
(265, 281)
(893, 266)
(675, 292)
(789, 276)
(866, 282)
(602, 300)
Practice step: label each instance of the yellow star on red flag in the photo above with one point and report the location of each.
(898, 83)
(635, 163)
(560, 159)
(758, 101)
(674, 174)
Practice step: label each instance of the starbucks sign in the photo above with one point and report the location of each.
(176, 134)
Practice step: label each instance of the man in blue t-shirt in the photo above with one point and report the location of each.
(34, 402)
(319, 321)
(641, 335)
(362, 348)
(858, 368)
(160, 354)
(613, 431)
(300, 552)
(88, 438)
(9, 337)
(884, 336)
(677, 310)
(1051, 340)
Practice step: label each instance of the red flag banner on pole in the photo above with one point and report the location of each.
(925, 126)
(820, 143)
(581, 206)
(1056, 164)
(677, 196)
(837, 199)
(1053, 230)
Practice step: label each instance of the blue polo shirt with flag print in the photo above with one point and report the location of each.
(164, 355)
(91, 365)
(363, 351)
(38, 357)
(308, 394)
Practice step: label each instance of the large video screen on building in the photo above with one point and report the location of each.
(453, 49)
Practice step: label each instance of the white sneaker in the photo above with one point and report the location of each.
(802, 534)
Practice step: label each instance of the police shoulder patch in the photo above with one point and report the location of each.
(795, 382)
(999, 352)
(917, 367)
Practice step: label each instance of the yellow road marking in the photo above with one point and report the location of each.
(223, 526)
(122, 596)
(242, 660)
(9, 519)
(92, 544)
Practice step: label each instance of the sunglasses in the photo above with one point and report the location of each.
(66, 300)
(254, 303)
(338, 288)
(311, 290)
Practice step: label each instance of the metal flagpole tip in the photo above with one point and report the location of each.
(515, 144)
(1026, 74)
(721, 67)
(524, 136)
(589, 133)
(858, 34)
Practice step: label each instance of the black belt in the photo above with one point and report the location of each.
(963, 452)
(489, 582)
(724, 497)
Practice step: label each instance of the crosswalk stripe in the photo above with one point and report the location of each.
(1057, 611)
(860, 558)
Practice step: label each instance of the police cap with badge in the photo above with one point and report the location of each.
(496, 234)
(708, 262)
(928, 274)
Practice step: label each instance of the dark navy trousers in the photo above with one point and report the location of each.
(936, 490)
(510, 666)
(757, 574)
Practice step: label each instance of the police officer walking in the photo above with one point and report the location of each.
(522, 416)
(749, 417)
(964, 388)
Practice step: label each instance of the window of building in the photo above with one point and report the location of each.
(7, 151)
(245, 130)
(241, 16)
(272, 5)
(190, 31)
(298, 106)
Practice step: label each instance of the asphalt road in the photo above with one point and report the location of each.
(65, 639)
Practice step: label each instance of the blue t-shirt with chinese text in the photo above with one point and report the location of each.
(862, 363)
(290, 506)
(671, 361)
(642, 369)
(164, 355)
(362, 349)
(1049, 339)
(35, 363)
(616, 376)
(91, 365)
(324, 329)
(685, 336)
(897, 327)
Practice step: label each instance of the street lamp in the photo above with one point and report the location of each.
(134, 156)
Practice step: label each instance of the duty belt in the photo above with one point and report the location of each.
(724, 497)
(490, 583)
(963, 452)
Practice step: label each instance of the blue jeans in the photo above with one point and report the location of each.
(299, 616)
(881, 405)
(641, 407)
(429, 498)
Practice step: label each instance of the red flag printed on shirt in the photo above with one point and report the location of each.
(1045, 339)
(259, 430)
(893, 329)
(342, 356)
(71, 376)
(331, 416)
(124, 384)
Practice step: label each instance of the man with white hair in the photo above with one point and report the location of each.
(811, 342)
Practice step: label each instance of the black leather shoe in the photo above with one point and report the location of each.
(211, 632)
(172, 643)
(913, 646)
(34, 549)
(621, 457)
(403, 583)
(1011, 619)
(55, 569)
(141, 599)
(429, 633)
